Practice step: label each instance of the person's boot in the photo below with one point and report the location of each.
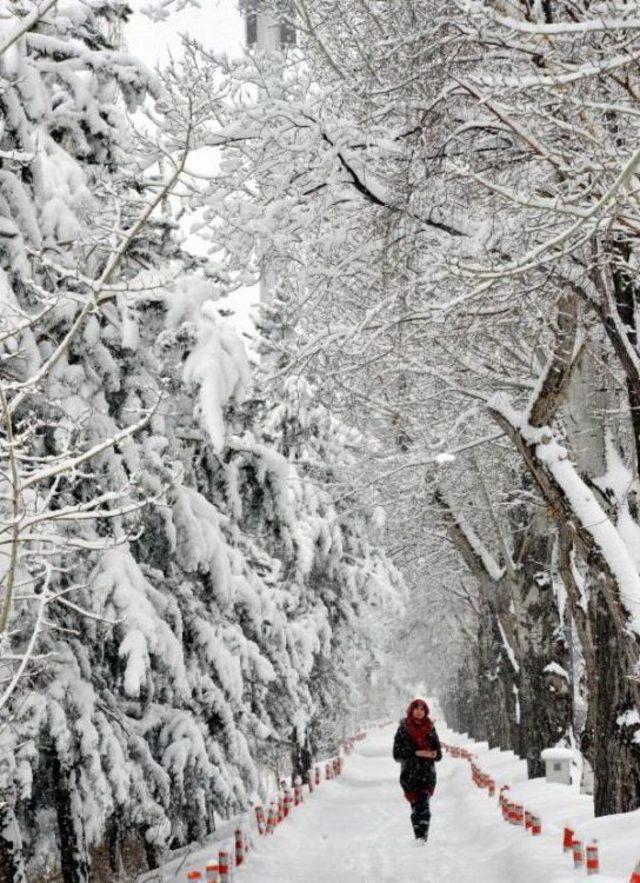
(422, 835)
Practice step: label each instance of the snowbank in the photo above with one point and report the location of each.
(536, 859)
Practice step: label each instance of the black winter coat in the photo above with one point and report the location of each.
(416, 773)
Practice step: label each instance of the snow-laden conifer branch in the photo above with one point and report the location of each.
(97, 294)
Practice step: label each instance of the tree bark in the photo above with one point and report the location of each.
(618, 286)
(114, 844)
(73, 852)
(153, 853)
(301, 759)
(524, 658)
(546, 701)
(616, 756)
(497, 670)
(618, 647)
(496, 684)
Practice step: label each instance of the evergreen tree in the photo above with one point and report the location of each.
(182, 597)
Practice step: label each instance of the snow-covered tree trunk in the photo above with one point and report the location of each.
(485, 717)
(524, 658)
(581, 621)
(616, 753)
(585, 413)
(461, 704)
(546, 706)
(74, 858)
(497, 666)
(617, 310)
(589, 399)
(614, 581)
(301, 757)
(114, 835)
(498, 691)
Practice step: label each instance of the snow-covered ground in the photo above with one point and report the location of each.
(356, 829)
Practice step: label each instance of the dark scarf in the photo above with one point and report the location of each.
(419, 730)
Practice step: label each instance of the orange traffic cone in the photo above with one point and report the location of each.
(212, 872)
(224, 867)
(536, 826)
(239, 846)
(635, 876)
(578, 854)
(567, 841)
(593, 860)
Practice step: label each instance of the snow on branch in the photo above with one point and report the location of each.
(572, 28)
(477, 556)
(583, 72)
(564, 490)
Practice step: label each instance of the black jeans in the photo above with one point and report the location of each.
(421, 816)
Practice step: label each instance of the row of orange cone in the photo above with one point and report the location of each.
(518, 815)
(582, 857)
(280, 807)
(515, 814)
(512, 813)
(457, 751)
(218, 870)
(482, 780)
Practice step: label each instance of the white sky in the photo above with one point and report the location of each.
(218, 25)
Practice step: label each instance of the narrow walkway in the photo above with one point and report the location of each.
(357, 830)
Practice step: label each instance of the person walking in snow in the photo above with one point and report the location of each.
(417, 748)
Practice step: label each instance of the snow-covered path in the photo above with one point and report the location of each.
(356, 829)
